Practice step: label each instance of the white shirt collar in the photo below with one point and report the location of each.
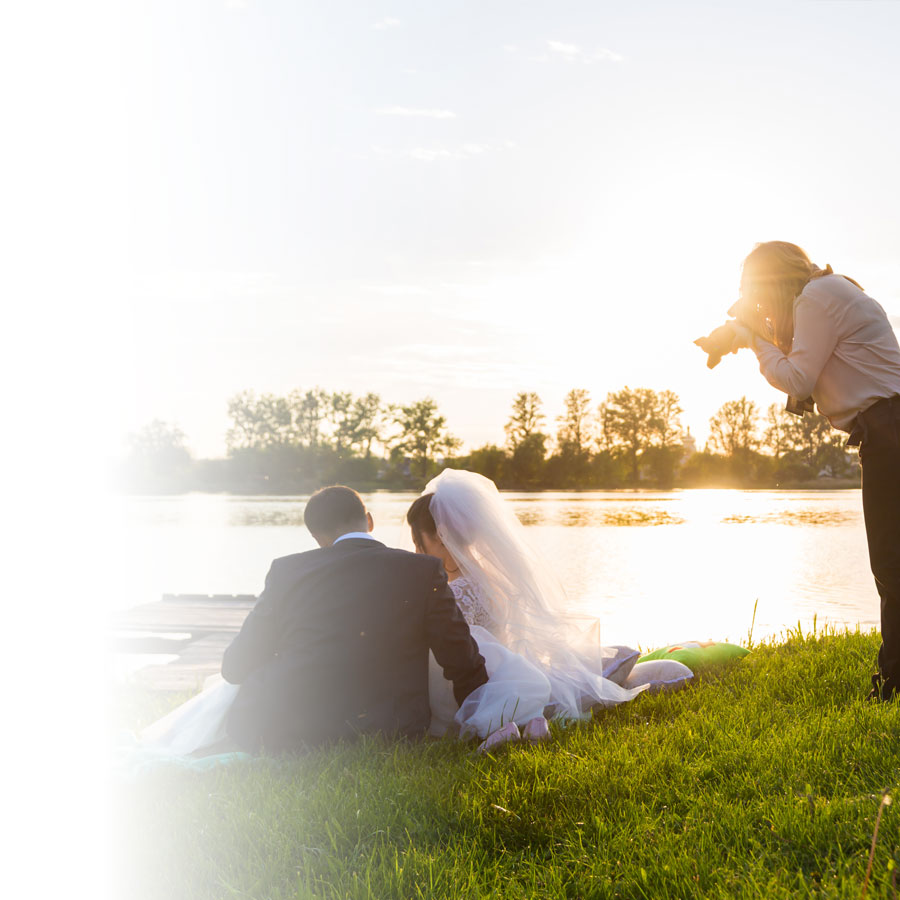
(353, 535)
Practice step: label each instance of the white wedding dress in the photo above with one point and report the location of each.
(516, 690)
(196, 725)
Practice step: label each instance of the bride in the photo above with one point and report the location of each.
(539, 655)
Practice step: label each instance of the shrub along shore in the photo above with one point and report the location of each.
(765, 778)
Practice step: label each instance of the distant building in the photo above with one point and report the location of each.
(689, 445)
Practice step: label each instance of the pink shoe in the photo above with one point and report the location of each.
(536, 730)
(509, 732)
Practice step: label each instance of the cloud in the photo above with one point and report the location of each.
(386, 23)
(398, 290)
(430, 155)
(574, 53)
(466, 151)
(570, 51)
(434, 153)
(406, 111)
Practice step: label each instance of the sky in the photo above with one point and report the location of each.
(467, 200)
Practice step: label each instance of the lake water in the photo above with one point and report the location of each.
(656, 568)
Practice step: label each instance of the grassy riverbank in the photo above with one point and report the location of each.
(763, 779)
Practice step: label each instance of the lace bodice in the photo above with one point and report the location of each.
(470, 603)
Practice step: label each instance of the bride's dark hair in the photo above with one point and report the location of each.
(420, 520)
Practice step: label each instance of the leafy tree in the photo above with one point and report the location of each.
(576, 428)
(777, 436)
(659, 465)
(525, 420)
(158, 460)
(158, 438)
(243, 432)
(526, 466)
(668, 413)
(526, 441)
(310, 411)
(733, 429)
(423, 434)
(705, 469)
(637, 419)
(814, 443)
(340, 411)
(490, 461)
(609, 469)
(366, 422)
(258, 422)
(812, 437)
(569, 467)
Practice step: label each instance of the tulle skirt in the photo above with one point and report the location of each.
(196, 725)
(516, 691)
(519, 689)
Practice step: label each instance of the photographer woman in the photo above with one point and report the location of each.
(816, 334)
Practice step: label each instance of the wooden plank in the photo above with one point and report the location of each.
(156, 643)
(203, 617)
(211, 620)
(181, 619)
(200, 659)
(211, 600)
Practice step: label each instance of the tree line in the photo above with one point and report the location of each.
(634, 438)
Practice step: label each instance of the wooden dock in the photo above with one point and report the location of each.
(194, 627)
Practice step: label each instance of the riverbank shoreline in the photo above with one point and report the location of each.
(764, 778)
(824, 485)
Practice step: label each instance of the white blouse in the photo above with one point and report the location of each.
(844, 354)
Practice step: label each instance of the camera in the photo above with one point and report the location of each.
(798, 407)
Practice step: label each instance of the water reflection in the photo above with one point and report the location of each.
(795, 517)
(693, 573)
(530, 517)
(619, 517)
(265, 516)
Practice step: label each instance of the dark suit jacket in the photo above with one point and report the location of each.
(338, 644)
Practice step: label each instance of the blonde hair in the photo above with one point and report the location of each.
(773, 275)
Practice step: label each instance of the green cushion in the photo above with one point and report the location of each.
(696, 654)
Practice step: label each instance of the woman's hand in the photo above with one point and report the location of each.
(743, 336)
(727, 338)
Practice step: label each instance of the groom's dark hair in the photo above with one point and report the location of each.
(334, 510)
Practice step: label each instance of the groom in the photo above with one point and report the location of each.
(338, 642)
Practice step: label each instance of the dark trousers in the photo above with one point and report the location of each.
(878, 432)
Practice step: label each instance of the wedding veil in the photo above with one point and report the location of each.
(521, 592)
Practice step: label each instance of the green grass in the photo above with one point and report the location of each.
(763, 779)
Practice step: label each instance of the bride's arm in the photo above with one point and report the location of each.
(451, 641)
